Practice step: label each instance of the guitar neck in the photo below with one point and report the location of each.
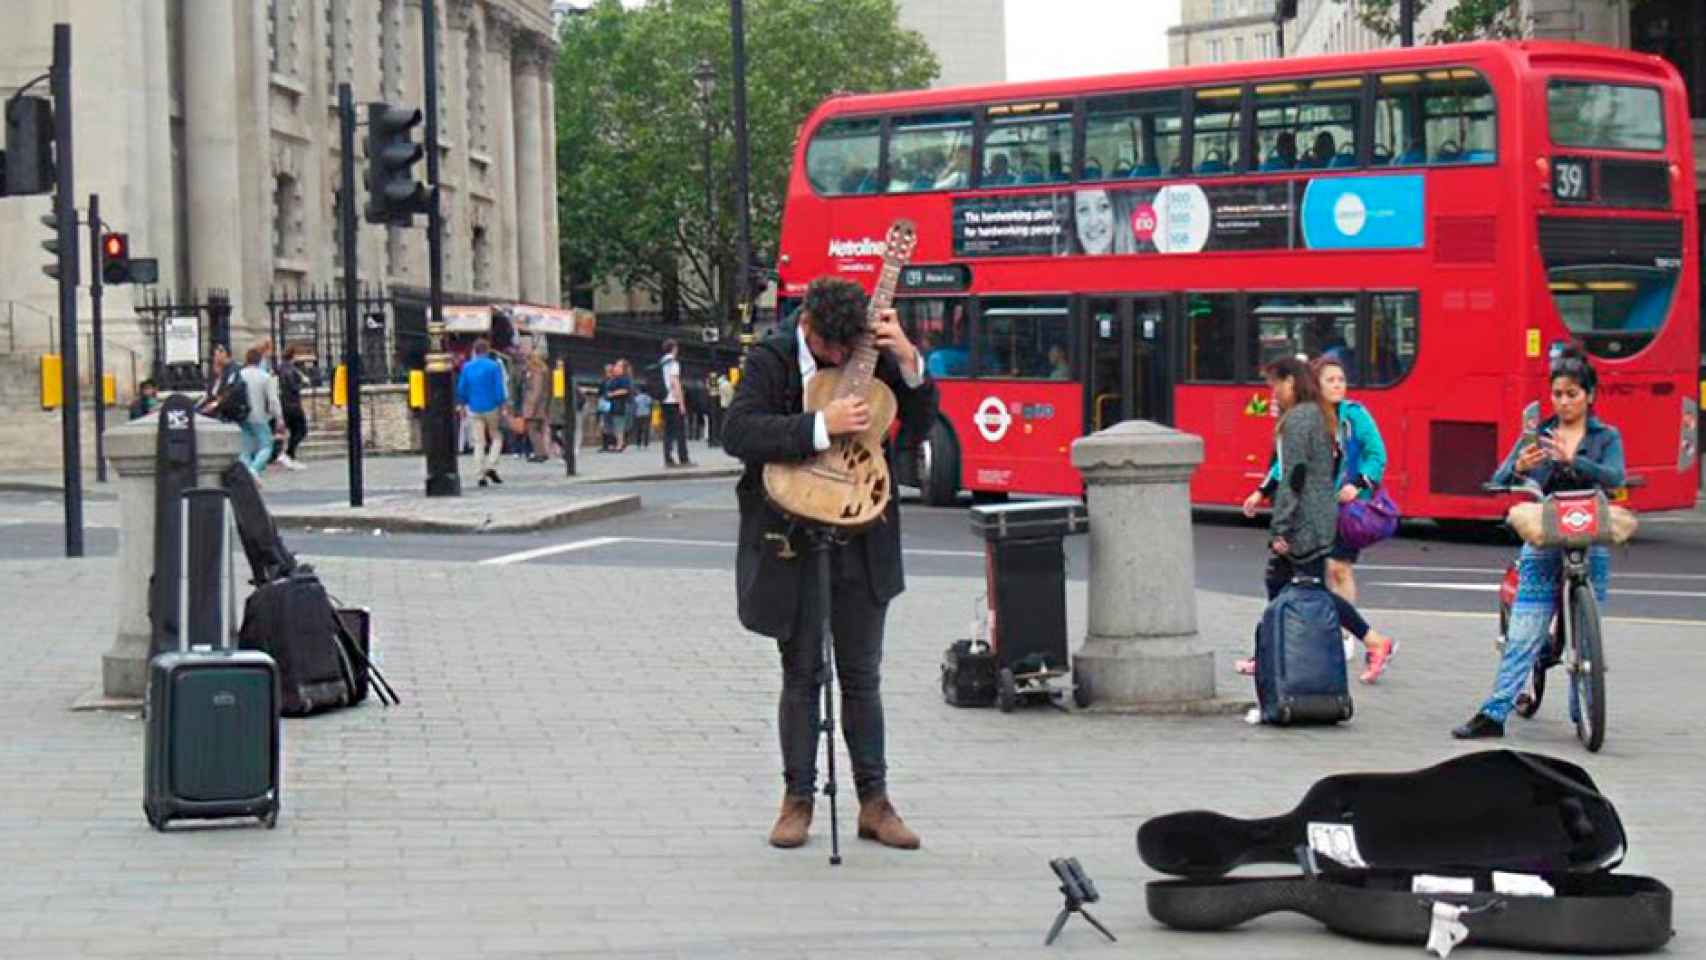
(862, 363)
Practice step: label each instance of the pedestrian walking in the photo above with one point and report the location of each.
(291, 382)
(535, 406)
(264, 408)
(621, 394)
(1302, 529)
(643, 404)
(483, 395)
(674, 408)
(1361, 457)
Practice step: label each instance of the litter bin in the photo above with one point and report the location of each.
(1025, 576)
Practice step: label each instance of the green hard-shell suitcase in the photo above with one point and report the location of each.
(211, 746)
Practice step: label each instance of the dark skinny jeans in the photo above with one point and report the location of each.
(1280, 571)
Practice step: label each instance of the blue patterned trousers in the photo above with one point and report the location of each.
(1538, 573)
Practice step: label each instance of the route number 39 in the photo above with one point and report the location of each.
(1570, 180)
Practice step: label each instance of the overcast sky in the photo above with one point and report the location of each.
(1070, 38)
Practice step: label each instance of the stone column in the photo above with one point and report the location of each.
(131, 451)
(1141, 651)
(530, 169)
(500, 97)
(548, 136)
(214, 120)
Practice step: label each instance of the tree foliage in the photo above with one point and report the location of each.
(631, 184)
(1465, 20)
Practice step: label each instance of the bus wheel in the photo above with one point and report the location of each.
(939, 466)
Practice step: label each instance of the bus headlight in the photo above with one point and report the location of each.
(1688, 447)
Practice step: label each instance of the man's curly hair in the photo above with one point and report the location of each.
(837, 309)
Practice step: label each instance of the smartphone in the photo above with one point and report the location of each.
(1531, 424)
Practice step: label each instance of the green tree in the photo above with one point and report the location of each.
(630, 130)
(1465, 20)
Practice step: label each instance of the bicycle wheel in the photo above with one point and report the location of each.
(1587, 668)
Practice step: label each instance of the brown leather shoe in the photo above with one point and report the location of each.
(879, 822)
(792, 823)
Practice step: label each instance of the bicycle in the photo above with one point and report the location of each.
(1577, 639)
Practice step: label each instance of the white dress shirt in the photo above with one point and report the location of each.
(808, 369)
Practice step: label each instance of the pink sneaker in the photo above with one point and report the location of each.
(1378, 658)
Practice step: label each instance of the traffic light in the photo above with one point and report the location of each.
(52, 245)
(115, 258)
(393, 194)
(28, 166)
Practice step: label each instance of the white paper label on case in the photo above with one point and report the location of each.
(1430, 883)
(1337, 841)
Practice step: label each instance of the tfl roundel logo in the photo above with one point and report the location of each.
(1576, 519)
(992, 419)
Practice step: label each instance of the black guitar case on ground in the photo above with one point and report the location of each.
(1382, 853)
(175, 463)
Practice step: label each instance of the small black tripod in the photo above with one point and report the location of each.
(1075, 885)
(822, 540)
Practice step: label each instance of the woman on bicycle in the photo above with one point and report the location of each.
(1575, 452)
(1305, 516)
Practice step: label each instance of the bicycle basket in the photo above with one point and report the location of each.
(1572, 521)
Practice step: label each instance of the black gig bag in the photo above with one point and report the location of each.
(1499, 848)
(269, 558)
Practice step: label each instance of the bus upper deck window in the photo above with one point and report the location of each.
(1308, 124)
(1605, 115)
(1215, 130)
(1443, 116)
(931, 152)
(1028, 143)
(1133, 136)
(842, 156)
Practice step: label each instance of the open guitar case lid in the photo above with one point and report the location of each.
(1400, 856)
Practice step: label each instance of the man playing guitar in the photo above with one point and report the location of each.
(768, 422)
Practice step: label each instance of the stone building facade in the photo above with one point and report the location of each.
(1222, 31)
(969, 38)
(210, 130)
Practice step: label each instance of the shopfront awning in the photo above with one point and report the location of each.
(553, 321)
(466, 320)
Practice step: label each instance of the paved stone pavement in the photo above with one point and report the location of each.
(407, 474)
(585, 765)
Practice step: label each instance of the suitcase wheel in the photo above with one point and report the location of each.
(1006, 690)
(1080, 694)
(155, 821)
(270, 818)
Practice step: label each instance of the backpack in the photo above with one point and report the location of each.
(231, 399)
(1300, 660)
(293, 621)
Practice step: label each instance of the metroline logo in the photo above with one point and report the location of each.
(863, 247)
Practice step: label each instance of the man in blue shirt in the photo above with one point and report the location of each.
(483, 397)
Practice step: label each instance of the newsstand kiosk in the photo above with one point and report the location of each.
(1025, 580)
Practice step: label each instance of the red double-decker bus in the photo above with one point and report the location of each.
(1139, 246)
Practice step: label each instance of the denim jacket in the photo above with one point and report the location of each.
(1598, 463)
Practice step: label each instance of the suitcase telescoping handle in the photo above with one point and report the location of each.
(194, 497)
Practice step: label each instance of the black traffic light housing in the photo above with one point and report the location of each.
(28, 166)
(393, 194)
(52, 245)
(115, 258)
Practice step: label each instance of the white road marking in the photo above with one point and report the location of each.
(1492, 587)
(1499, 571)
(1493, 615)
(538, 552)
(594, 542)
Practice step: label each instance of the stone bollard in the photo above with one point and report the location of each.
(1141, 650)
(131, 449)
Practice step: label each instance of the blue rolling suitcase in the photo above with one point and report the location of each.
(1300, 660)
(212, 711)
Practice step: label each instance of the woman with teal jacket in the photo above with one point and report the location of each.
(1362, 464)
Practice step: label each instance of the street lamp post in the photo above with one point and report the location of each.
(705, 82)
(743, 241)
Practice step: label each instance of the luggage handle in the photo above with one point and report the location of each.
(228, 603)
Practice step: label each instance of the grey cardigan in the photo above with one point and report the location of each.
(1306, 512)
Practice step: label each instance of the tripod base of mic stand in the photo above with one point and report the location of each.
(1068, 911)
(821, 540)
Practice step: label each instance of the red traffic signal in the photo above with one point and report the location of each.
(115, 258)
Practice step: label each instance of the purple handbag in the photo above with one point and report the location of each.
(1364, 523)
